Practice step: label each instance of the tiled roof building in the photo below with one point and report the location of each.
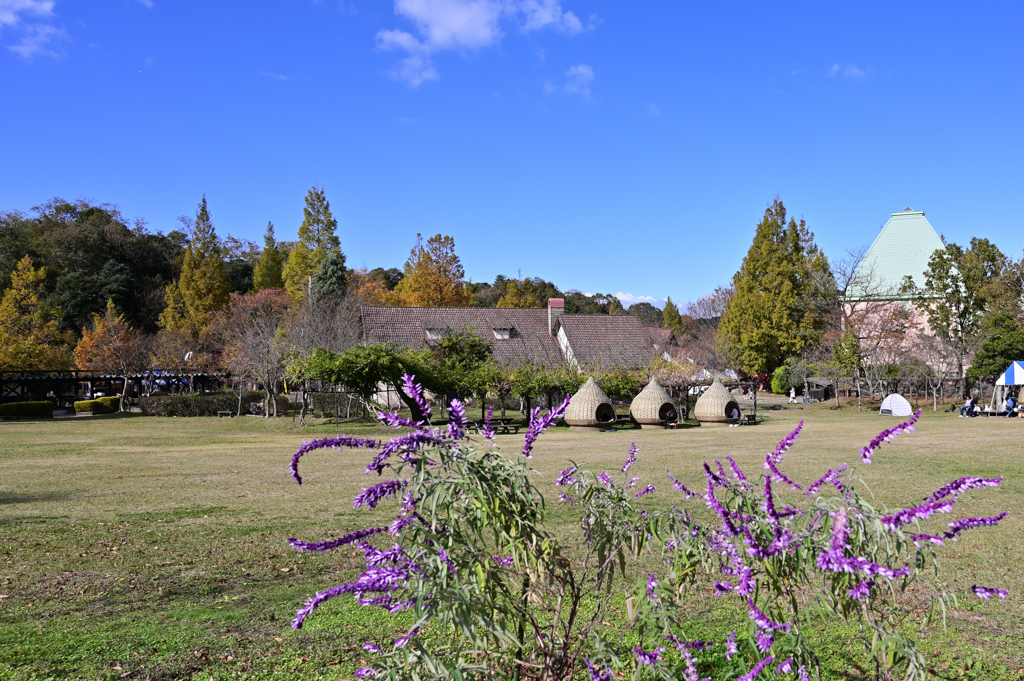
(546, 337)
(902, 248)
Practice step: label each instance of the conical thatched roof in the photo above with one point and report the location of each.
(714, 406)
(585, 406)
(647, 406)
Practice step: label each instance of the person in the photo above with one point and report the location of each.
(968, 407)
(792, 394)
(1010, 405)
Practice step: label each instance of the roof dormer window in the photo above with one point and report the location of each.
(435, 334)
(502, 334)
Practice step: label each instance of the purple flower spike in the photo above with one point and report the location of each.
(716, 480)
(538, 424)
(652, 584)
(351, 538)
(861, 591)
(737, 472)
(955, 528)
(605, 480)
(680, 487)
(457, 424)
(753, 673)
(597, 674)
(804, 676)
(923, 512)
(958, 487)
(986, 593)
(365, 672)
(631, 459)
(831, 477)
(764, 642)
(488, 431)
(652, 657)
(785, 667)
(371, 496)
(644, 491)
(730, 646)
(415, 391)
(888, 435)
(372, 648)
(566, 477)
(918, 538)
(762, 620)
(712, 502)
(785, 444)
(328, 443)
(777, 475)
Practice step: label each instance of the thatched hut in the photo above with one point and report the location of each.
(716, 407)
(653, 408)
(590, 408)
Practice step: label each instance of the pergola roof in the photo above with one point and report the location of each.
(902, 248)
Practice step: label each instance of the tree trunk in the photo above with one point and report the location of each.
(337, 407)
(124, 394)
(417, 413)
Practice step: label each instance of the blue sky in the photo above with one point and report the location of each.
(614, 147)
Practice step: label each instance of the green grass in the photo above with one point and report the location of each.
(156, 548)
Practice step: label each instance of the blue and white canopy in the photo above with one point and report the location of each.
(1013, 376)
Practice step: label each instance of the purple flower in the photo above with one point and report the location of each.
(335, 543)
(839, 531)
(888, 435)
(764, 642)
(597, 674)
(605, 480)
(923, 512)
(457, 422)
(645, 490)
(955, 528)
(958, 487)
(918, 538)
(786, 443)
(415, 391)
(631, 459)
(752, 674)
(833, 561)
(832, 476)
(399, 523)
(774, 473)
(487, 431)
(652, 657)
(565, 498)
(372, 648)
(404, 444)
(401, 642)
(712, 502)
(328, 443)
(503, 561)
(538, 424)
(365, 672)
(566, 477)
(679, 487)
(985, 592)
(722, 588)
(737, 472)
(804, 676)
(632, 481)
(762, 620)
(652, 584)
(716, 480)
(862, 590)
(371, 496)
(689, 645)
(785, 668)
(730, 646)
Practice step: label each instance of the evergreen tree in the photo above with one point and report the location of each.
(433, 276)
(1003, 345)
(615, 306)
(316, 240)
(671, 319)
(331, 278)
(30, 335)
(775, 311)
(267, 273)
(203, 287)
(518, 294)
(647, 314)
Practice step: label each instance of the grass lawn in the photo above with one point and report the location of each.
(137, 547)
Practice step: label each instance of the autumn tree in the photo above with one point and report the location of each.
(30, 335)
(113, 346)
(317, 238)
(518, 294)
(267, 273)
(202, 287)
(434, 276)
(774, 312)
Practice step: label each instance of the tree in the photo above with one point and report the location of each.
(456, 365)
(772, 314)
(1003, 345)
(30, 335)
(518, 294)
(250, 338)
(331, 278)
(433, 276)
(203, 287)
(647, 314)
(954, 297)
(671, 319)
(114, 347)
(267, 273)
(317, 238)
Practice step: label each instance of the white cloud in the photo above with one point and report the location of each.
(38, 39)
(148, 4)
(652, 110)
(628, 299)
(275, 76)
(848, 71)
(463, 25)
(577, 82)
(11, 11)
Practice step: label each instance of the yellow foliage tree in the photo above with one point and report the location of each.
(518, 294)
(113, 346)
(30, 335)
(433, 276)
(317, 238)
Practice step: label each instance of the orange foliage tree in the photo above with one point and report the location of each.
(113, 346)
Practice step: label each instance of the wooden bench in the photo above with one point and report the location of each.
(499, 427)
(225, 414)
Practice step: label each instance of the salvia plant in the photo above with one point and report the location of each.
(493, 593)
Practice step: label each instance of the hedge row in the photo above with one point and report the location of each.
(27, 409)
(101, 405)
(191, 404)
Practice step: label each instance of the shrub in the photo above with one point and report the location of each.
(101, 405)
(41, 409)
(469, 553)
(780, 381)
(194, 404)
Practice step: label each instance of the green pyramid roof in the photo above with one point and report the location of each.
(902, 248)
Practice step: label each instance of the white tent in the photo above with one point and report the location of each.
(1014, 375)
(895, 405)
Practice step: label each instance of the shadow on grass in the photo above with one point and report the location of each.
(8, 498)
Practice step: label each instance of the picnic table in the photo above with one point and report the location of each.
(504, 426)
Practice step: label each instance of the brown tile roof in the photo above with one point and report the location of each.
(528, 330)
(604, 341)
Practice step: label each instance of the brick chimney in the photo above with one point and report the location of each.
(556, 306)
